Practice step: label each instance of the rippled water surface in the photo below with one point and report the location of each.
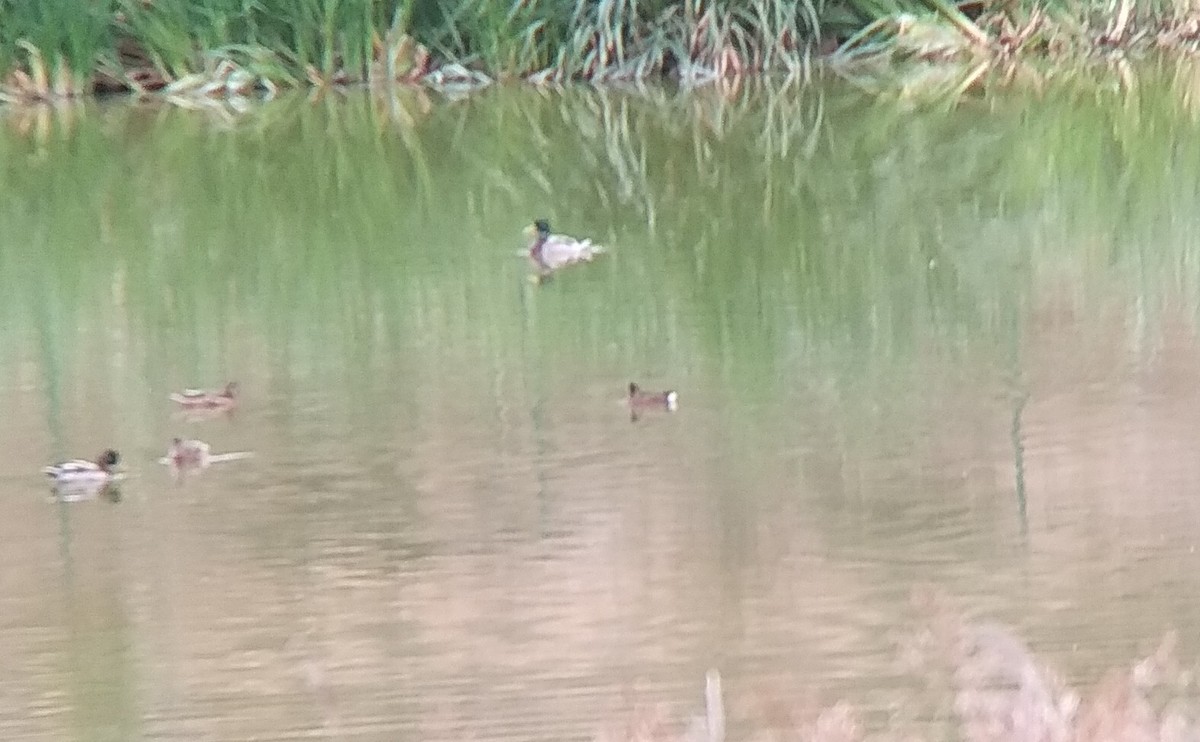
(912, 347)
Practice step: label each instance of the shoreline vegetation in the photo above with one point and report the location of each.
(979, 682)
(57, 49)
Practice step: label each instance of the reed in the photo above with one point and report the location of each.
(59, 48)
(48, 49)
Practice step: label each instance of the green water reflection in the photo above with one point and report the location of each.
(778, 225)
(859, 302)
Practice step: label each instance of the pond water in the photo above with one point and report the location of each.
(913, 345)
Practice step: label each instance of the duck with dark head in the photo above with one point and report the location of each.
(549, 252)
(82, 470)
(80, 479)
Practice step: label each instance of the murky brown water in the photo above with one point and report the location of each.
(450, 528)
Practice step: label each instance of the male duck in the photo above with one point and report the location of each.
(549, 252)
(638, 398)
(222, 399)
(84, 472)
(186, 454)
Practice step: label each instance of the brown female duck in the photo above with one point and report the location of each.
(206, 399)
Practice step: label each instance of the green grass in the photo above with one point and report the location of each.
(325, 35)
(70, 37)
(321, 41)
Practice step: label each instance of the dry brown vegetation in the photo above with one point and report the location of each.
(979, 677)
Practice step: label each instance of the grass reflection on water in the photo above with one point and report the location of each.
(852, 299)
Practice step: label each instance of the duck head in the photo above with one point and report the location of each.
(539, 232)
(231, 390)
(108, 460)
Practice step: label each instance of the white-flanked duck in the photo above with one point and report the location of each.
(80, 479)
(641, 399)
(82, 471)
(550, 252)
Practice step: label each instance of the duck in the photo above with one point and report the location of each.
(188, 453)
(220, 399)
(550, 251)
(668, 400)
(84, 472)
